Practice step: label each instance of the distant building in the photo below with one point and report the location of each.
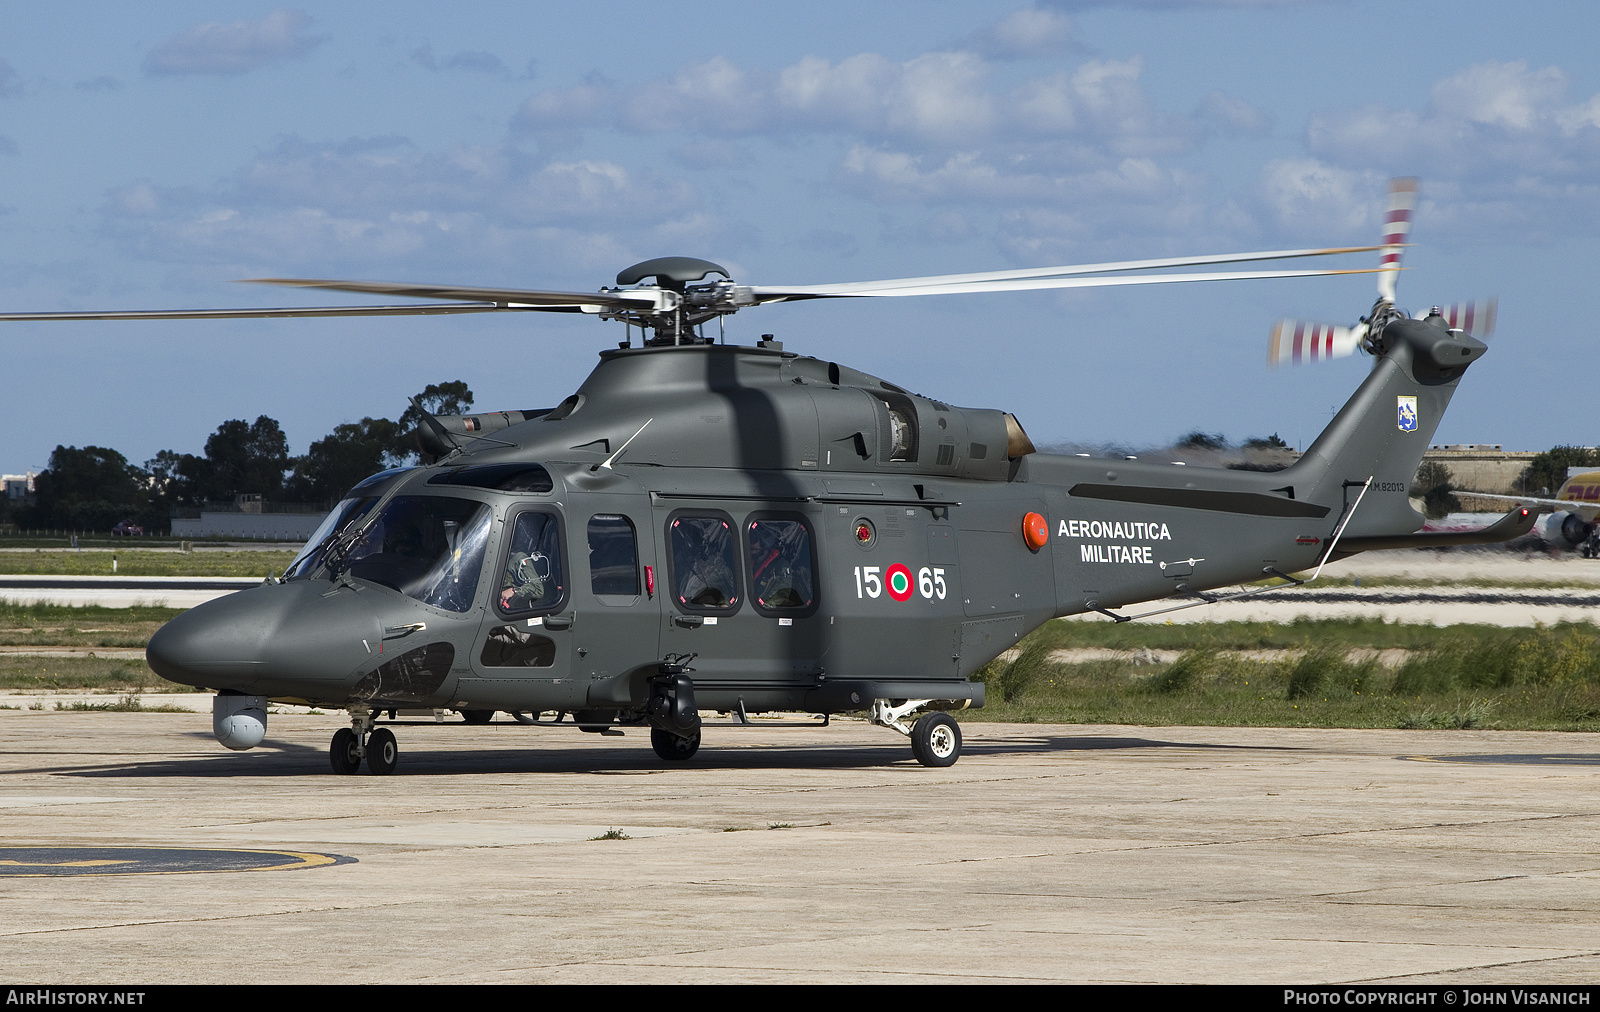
(18, 486)
(248, 516)
(1482, 467)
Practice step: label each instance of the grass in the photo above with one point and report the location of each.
(54, 625)
(128, 702)
(1463, 676)
(1300, 634)
(1544, 678)
(81, 674)
(97, 562)
(612, 834)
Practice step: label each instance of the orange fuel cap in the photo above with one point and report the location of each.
(1035, 531)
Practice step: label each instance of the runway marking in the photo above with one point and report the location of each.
(41, 862)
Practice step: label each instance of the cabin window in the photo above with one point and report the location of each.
(613, 556)
(782, 565)
(532, 578)
(705, 563)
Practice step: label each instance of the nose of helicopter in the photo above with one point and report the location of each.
(277, 639)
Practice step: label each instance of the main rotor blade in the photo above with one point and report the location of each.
(882, 287)
(769, 294)
(504, 297)
(249, 314)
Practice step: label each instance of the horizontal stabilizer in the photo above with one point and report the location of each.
(1508, 528)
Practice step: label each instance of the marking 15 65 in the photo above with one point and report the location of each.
(872, 581)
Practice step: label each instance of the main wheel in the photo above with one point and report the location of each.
(671, 747)
(383, 752)
(935, 740)
(345, 751)
(476, 716)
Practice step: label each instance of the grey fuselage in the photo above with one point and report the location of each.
(919, 572)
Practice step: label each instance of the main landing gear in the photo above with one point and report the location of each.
(935, 737)
(361, 741)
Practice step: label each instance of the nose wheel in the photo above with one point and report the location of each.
(361, 741)
(345, 751)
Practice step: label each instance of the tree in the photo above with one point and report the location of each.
(1547, 472)
(240, 458)
(350, 453)
(1433, 484)
(452, 398)
(1198, 440)
(89, 489)
(1271, 442)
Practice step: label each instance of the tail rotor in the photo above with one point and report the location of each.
(1295, 341)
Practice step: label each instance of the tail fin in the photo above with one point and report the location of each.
(1383, 429)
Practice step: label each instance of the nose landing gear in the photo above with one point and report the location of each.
(360, 741)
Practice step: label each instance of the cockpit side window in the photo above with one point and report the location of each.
(533, 579)
(613, 556)
(705, 563)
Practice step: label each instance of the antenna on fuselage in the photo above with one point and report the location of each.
(607, 462)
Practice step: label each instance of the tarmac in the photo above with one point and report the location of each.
(1049, 853)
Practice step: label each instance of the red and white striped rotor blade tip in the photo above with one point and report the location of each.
(1396, 230)
(1476, 317)
(1295, 341)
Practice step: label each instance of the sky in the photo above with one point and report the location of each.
(153, 154)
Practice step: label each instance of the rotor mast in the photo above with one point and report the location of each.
(680, 305)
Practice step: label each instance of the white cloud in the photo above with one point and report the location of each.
(467, 61)
(304, 205)
(1305, 194)
(941, 101)
(968, 178)
(590, 103)
(1499, 94)
(1490, 121)
(937, 96)
(1055, 151)
(1100, 103)
(1027, 33)
(1233, 115)
(217, 48)
(715, 96)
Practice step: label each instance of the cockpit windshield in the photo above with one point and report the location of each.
(342, 516)
(429, 548)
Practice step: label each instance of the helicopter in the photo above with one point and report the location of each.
(749, 530)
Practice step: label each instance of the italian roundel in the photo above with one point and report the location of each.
(898, 579)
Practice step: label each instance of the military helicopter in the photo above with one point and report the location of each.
(750, 530)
